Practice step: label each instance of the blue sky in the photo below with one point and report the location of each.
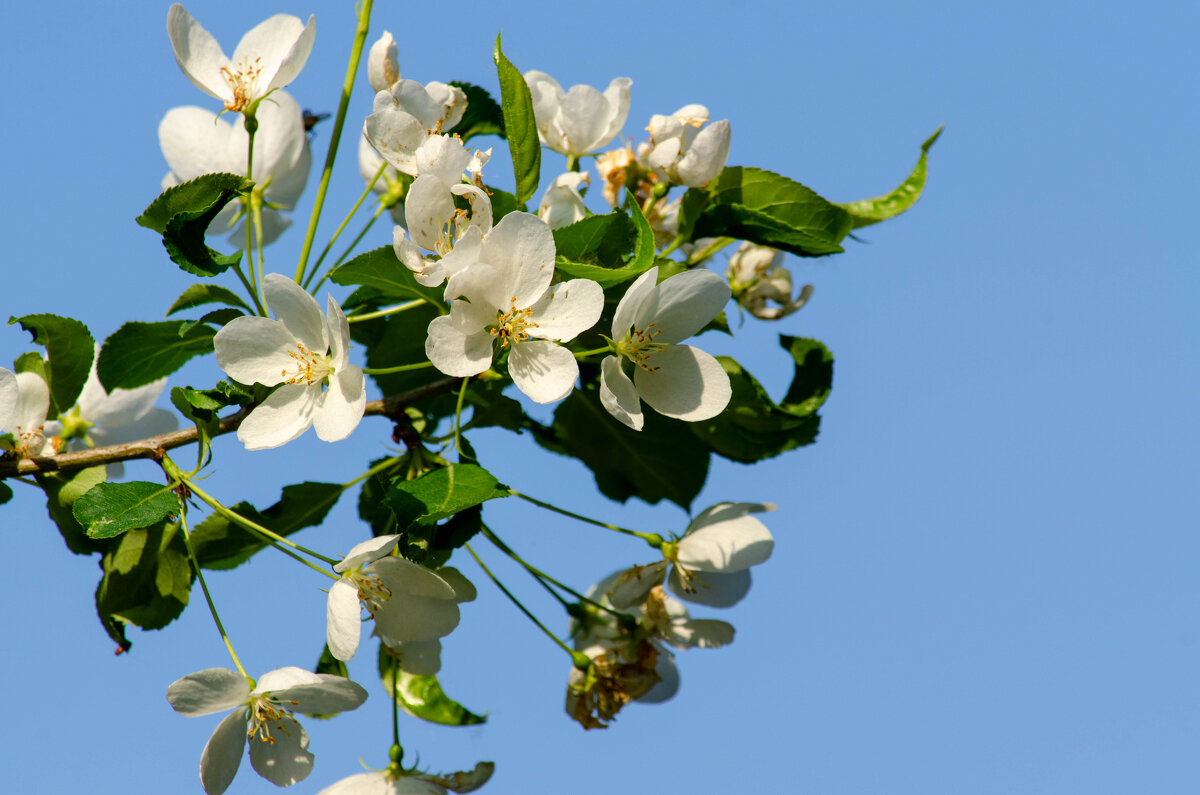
(985, 572)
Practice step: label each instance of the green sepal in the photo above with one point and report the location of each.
(520, 126)
(753, 427)
(200, 294)
(110, 509)
(69, 348)
(904, 196)
(181, 214)
(146, 582)
(422, 696)
(380, 270)
(772, 210)
(62, 490)
(483, 115)
(221, 544)
(140, 353)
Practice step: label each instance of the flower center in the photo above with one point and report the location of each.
(639, 345)
(243, 80)
(266, 710)
(510, 326)
(308, 367)
(654, 612)
(371, 591)
(450, 232)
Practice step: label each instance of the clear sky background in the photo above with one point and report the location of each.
(986, 575)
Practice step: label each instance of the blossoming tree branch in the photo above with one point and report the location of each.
(482, 304)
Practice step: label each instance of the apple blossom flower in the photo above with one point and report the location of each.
(383, 70)
(709, 564)
(682, 152)
(262, 713)
(195, 142)
(756, 275)
(676, 380)
(407, 114)
(408, 601)
(393, 781)
(267, 58)
(581, 120)
(303, 351)
(424, 657)
(510, 299)
(562, 203)
(24, 403)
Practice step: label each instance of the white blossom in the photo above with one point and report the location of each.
(262, 714)
(267, 58)
(408, 601)
(757, 276)
(407, 114)
(424, 657)
(393, 782)
(306, 353)
(509, 298)
(679, 150)
(581, 120)
(676, 380)
(195, 142)
(24, 403)
(562, 203)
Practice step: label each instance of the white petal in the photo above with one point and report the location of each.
(706, 156)
(327, 695)
(547, 95)
(711, 588)
(481, 208)
(700, 633)
(444, 157)
(724, 539)
(406, 618)
(194, 142)
(362, 784)
(421, 657)
(286, 760)
(121, 406)
(631, 303)
(464, 589)
(683, 304)
(567, 310)
(8, 399)
(585, 117)
(428, 206)
(632, 586)
(266, 46)
(688, 385)
(33, 402)
(341, 406)
(618, 394)
(395, 134)
(382, 67)
(279, 419)
(223, 753)
(366, 551)
(208, 691)
(297, 310)
(617, 95)
(343, 620)
(197, 53)
(255, 350)
(521, 247)
(543, 370)
(455, 350)
(286, 157)
(296, 55)
(411, 578)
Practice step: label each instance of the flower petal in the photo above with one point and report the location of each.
(617, 95)
(194, 142)
(286, 759)
(444, 157)
(297, 310)
(421, 657)
(568, 309)
(208, 691)
(8, 399)
(668, 682)
(630, 304)
(296, 55)
(706, 156)
(683, 304)
(327, 696)
(255, 350)
(710, 588)
(464, 589)
(724, 539)
(457, 345)
(543, 370)
(367, 551)
(282, 417)
(618, 395)
(521, 248)
(223, 753)
(197, 53)
(412, 578)
(428, 206)
(374, 783)
(382, 66)
(632, 586)
(33, 402)
(688, 384)
(585, 117)
(340, 407)
(343, 620)
(700, 633)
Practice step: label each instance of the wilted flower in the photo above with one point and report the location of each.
(268, 57)
(303, 351)
(24, 403)
(682, 152)
(581, 120)
(618, 673)
(676, 380)
(263, 714)
(756, 275)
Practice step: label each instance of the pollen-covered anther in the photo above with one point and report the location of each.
(371, 592)
(640, 345)
(510, 326)
(242, 80)
(311, 368)
(263, 712)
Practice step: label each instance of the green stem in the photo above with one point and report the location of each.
(400, 368)
(366, 192)
(653, 539)
(462, 394)
(592, 352)
(251, 125)
(706, 252)
(378, 212)
(572, 162)
(521, 607)
(256, 210)
(212, 608)
(397, 751)
(385, 312)
(382, 465)
(360, 37)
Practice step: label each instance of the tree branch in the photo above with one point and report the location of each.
(153, 447)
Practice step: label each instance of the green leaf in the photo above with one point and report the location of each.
(691, 206)
(766, 208)
(200, 294)
(6, 492)
(606, 277)
(597, 240)
(62, 490)
(422, 696)
(181, 214)
(31, 362)
(483, 115)
(110, 509)
(520, 126)
(397, 339)
(220, 544)
(905, 195)
(643, 257)
(69, 348)
(662, 461)
(442, 493)
(146, 582)
(380, 270)
(201, 408)
(752, 427)
(139, 353)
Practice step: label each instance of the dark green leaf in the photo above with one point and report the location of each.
(398, 339)
(139, 353)
(691, 206)
(182, 214)
(422, 696)
(219, 317)
(482, 117)
(766, 208)
(220, 544)
(200, 294)
(597, 240)
(606, 277)
(6, 492)
(200, 408)
(441, 493)
(520, 126)
(110, 509)
(643, 256)
(380, 270)
(69, 348)
(905, 195)
(493, 408)
(62, 490)
(147, 580)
